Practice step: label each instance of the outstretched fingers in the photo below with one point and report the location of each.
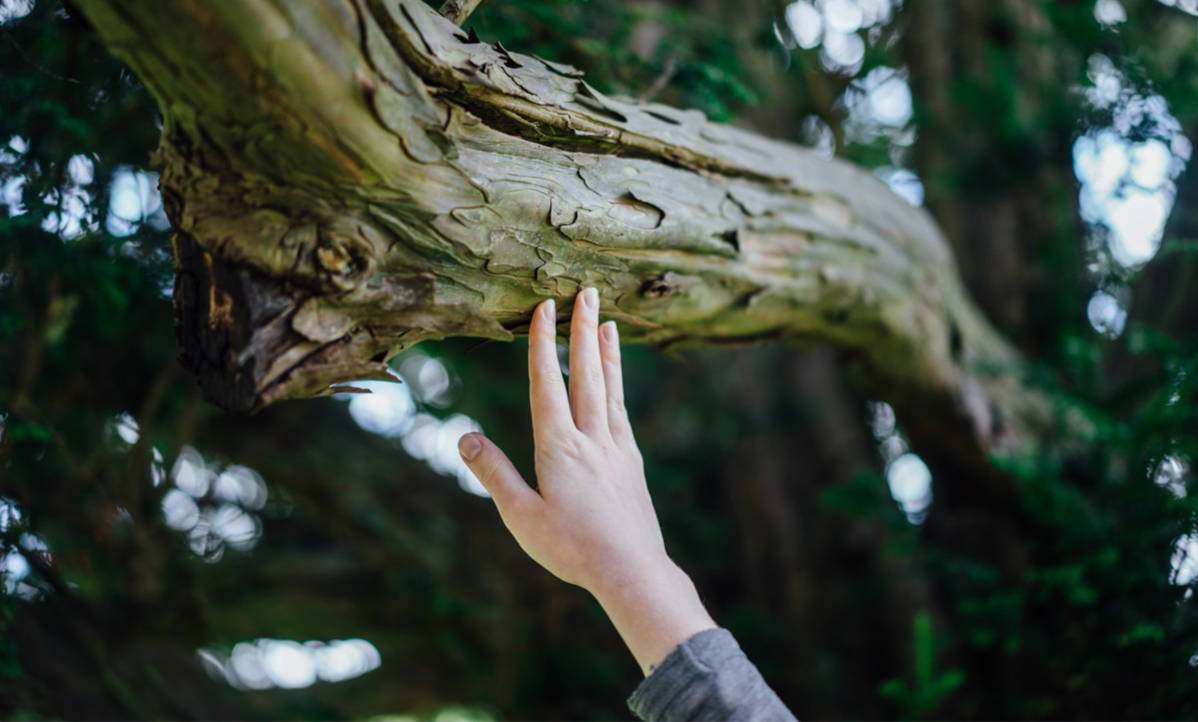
(546, 389)
(588, 392)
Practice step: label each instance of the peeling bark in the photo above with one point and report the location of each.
(349, 178)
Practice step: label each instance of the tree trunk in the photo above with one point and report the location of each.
(349, 178)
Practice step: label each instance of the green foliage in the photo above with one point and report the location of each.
(930, 688)
(627, 48)
(1095, 607)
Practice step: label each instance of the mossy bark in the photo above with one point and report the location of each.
(349, 178)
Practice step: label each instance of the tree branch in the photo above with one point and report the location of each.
(347, 179)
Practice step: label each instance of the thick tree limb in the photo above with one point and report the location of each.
(348, 178)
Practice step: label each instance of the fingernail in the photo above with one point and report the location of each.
(549, 308)
(590, 297)
(469, 446)
(610, 333)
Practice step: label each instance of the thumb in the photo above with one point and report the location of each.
(494, 471)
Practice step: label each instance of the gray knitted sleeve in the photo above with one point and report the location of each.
(707, 677)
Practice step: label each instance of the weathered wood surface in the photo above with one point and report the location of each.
(350, 177)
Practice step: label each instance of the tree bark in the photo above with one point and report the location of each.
(349, 178)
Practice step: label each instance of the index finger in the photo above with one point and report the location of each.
(546, 390)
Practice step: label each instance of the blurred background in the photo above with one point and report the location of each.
(334, 559)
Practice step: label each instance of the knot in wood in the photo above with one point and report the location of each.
(345, 257)
(658, 287)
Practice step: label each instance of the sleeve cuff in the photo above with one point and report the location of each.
(697, 658)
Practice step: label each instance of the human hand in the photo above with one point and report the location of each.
(591, 521)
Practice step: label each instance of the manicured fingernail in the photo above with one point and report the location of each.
(590, 297)
(610, 334)
(469, 446)
(549, 309)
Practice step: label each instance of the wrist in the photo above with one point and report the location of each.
(654, 609)
(640, 576)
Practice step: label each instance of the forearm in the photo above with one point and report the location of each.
(654, 611)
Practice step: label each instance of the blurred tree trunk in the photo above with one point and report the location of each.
(995, 156)
(816, 532)
(347, 179)
(1001, 184)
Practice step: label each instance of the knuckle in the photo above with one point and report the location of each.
(593, 374)
(575, 450)
(545, 369)
(585, 328)
(485, 467)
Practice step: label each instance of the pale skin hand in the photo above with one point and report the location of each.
(591, 521)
